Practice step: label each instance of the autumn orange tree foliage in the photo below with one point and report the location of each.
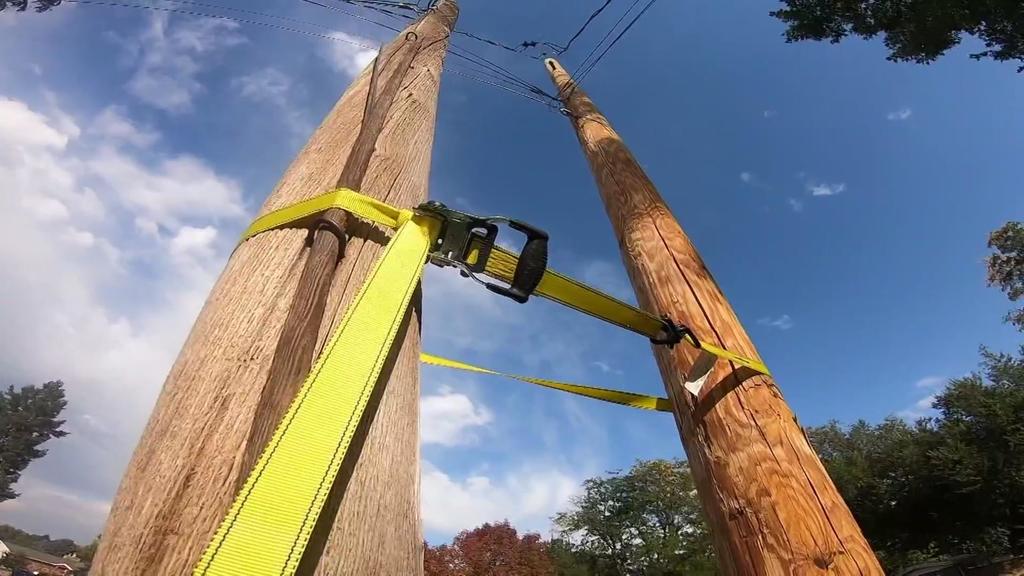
(489, 550)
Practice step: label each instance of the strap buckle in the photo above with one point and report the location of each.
(672, 334)
(464, 236)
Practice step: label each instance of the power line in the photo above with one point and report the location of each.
(495, 43)
(493, 74)
(479, 60)
(376, 6)
(497, 85)
(274, 16)
(563, 49)
(231, 18)
(617, 38)
(607, 35)
(352, 14)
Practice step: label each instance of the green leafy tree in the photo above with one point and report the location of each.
(88, 552)
(28, 418)
(947, 485)
(978, 458)
(22, 5)
(913, 30)
(953, 483)
(1006, 266)
(13, 561)
(645, 521)
(41, 542)
(878, 470)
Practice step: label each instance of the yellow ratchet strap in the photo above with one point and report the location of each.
(268, 526)
(501, 265)
(360, 205)
(625, 398)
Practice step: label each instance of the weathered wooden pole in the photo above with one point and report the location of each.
(771, 505)
(223, 398)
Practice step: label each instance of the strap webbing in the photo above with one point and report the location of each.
(500, 265)
(297, 214)
(615, 396)
(270, 522)
(566, 291)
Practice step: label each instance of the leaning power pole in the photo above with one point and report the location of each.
(771, 505)
(275, 303)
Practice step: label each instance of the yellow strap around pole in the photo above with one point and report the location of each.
(754, 365)
(615, 396)
(355, 203)
(501, 265)
(270, 522)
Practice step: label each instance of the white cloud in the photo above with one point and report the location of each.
(769, 114)
(795, 204)
(605, 367)
(466, 327)
(822, 189)
(170, 58)
(45, 500)
(47, 209)
(751, 179)
(266, 85)
(933, 385)
(24, 129)
(918, 409)
(347, 58)
(113, 124)
(609, 277)
(192, 242)
(899, 115)
(931, 382)
(177, 189)
(783, 322)
(276, 89)
(100, 304)
(447, 418)
(527, 497)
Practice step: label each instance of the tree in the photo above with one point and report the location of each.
(28, 417)
(953, 483)
(40, 542)
(489, 550)
(883, 473)
(21, 5)
(913, 30)
(13, 561)
(87, 552)
(646, 521)
(947, 485)
(1006, 266)
(978, 457)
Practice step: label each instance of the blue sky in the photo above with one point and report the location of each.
(842, 202)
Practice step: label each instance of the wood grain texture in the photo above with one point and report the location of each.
(183, 474)
(771, 505)
(296, 346)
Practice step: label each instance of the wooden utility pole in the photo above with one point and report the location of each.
(228, 387)
(771, 505)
